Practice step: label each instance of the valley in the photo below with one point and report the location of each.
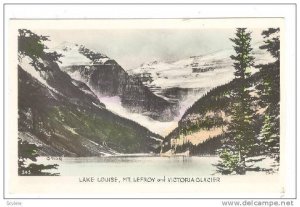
(77, 102)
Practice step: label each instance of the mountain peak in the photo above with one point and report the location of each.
(77, 54)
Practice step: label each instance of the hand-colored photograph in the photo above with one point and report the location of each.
(151, 102)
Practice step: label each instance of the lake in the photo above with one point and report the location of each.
(133, 165)
(77, 171)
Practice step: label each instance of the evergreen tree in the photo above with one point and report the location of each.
(32, 45)
(240, 140)
(27, 151)
(269, 91)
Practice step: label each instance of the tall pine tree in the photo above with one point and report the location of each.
(269, 92)
(240, 139)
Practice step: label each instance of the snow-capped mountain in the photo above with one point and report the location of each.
(64, 117)
(75, 54)
(185, 81)
(110, 82)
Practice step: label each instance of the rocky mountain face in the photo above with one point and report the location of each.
(64, 117)
(107, 78)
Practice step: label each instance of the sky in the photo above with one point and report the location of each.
(133, 47)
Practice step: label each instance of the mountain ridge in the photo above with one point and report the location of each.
(66, 118)
(108, 79)
(186, 80)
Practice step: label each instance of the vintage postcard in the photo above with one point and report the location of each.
(158, 108)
